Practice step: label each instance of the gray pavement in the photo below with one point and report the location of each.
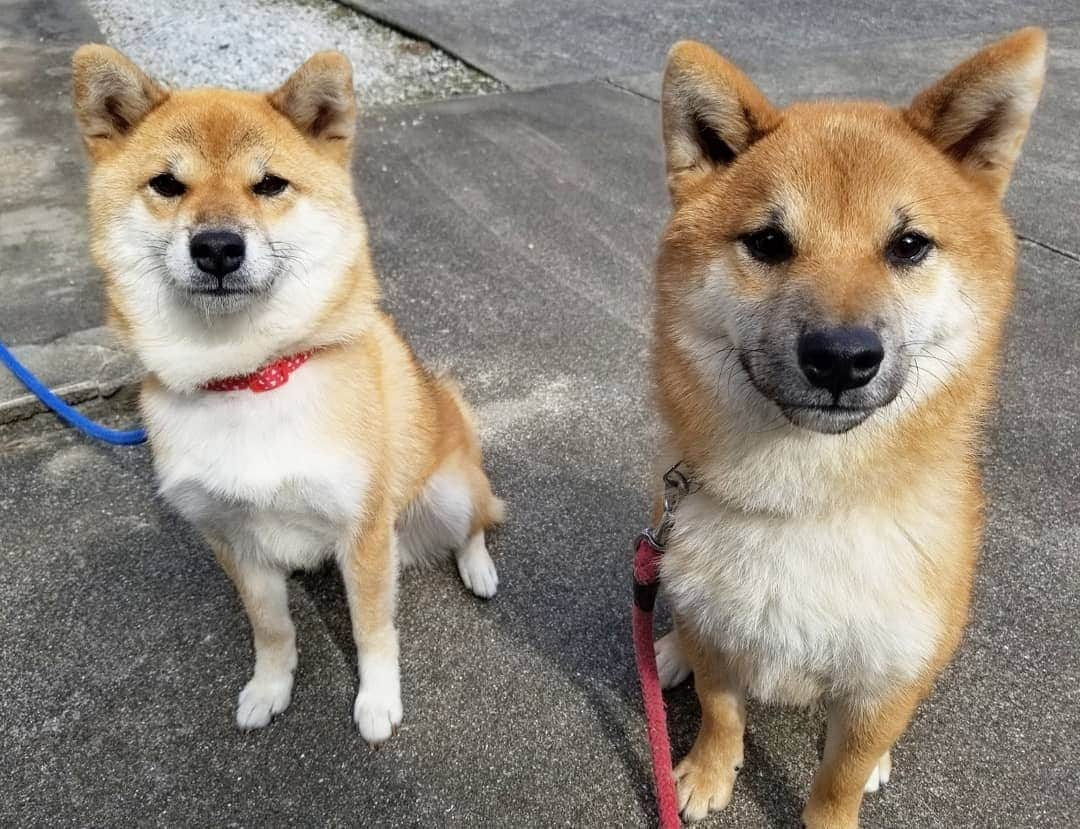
(515, 235)
(529, 44)
(50, 288)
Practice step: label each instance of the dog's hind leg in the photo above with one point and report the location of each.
(264, 594)
(671, 662)
(451, 514)
(456, 505)
(880, 775)
(857, 742)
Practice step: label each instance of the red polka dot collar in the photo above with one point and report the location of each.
(267, 378)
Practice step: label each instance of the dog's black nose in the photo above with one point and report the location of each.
(217, 252)
(839, 359)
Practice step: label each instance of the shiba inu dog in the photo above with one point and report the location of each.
(831, 293)
(288, 420)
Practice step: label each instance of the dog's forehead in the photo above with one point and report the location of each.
(855, 166)
(219, 126)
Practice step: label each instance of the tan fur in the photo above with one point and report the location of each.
(379, 421)
(841, 173)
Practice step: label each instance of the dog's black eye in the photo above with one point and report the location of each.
(167, 185)
(269, 185)
(909, 248)
(769, 245)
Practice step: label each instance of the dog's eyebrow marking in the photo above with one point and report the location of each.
(183, 133)
(244, 140)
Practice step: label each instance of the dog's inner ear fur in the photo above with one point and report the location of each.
(112, 95)
(713, 148)
(318, 98)
(712, 112)
(979, 113)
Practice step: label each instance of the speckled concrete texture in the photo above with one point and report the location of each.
(515, 235)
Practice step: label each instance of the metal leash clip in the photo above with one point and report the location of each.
(676, 487)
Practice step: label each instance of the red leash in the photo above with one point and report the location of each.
(646, 580)
(651, 546)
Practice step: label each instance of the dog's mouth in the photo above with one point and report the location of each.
(830, 420)
(223, 297)
(221, 290)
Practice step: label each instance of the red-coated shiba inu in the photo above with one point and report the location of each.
(831, 292)
(288, 420)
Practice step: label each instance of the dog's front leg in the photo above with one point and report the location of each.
(857, 741)
(369, 567)
(264, 594)
(706, 776)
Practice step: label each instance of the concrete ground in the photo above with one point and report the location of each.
(514, 234)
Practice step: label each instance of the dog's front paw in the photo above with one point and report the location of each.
(671, 662)
(261, 698)
(703, 788)
(377, 713)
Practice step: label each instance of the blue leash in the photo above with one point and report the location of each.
(66, 412)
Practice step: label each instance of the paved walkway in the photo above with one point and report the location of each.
(515, 235)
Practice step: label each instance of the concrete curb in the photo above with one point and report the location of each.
(102, 367)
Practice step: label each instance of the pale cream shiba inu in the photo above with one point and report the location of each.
(288, 420)
(831, 293)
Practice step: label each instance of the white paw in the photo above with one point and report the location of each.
(477, 569)
(671, 663)
(880, 775)
(378, 708)
(261, 698)
(377, 715)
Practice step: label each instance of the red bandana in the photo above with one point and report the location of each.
(267, 378)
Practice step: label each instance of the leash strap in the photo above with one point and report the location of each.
(650, 548)
(65, 412)
(646, 582)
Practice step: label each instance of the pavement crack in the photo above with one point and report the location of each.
(634, 92)
(384, 19)
(1067, 254)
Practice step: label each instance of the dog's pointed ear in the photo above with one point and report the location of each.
(711, 113)
(319, 100)
(978, 114)
(112, 95)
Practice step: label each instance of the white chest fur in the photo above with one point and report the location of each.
(259, 471)
(803, 606)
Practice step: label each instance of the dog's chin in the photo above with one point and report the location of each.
(828, 420)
